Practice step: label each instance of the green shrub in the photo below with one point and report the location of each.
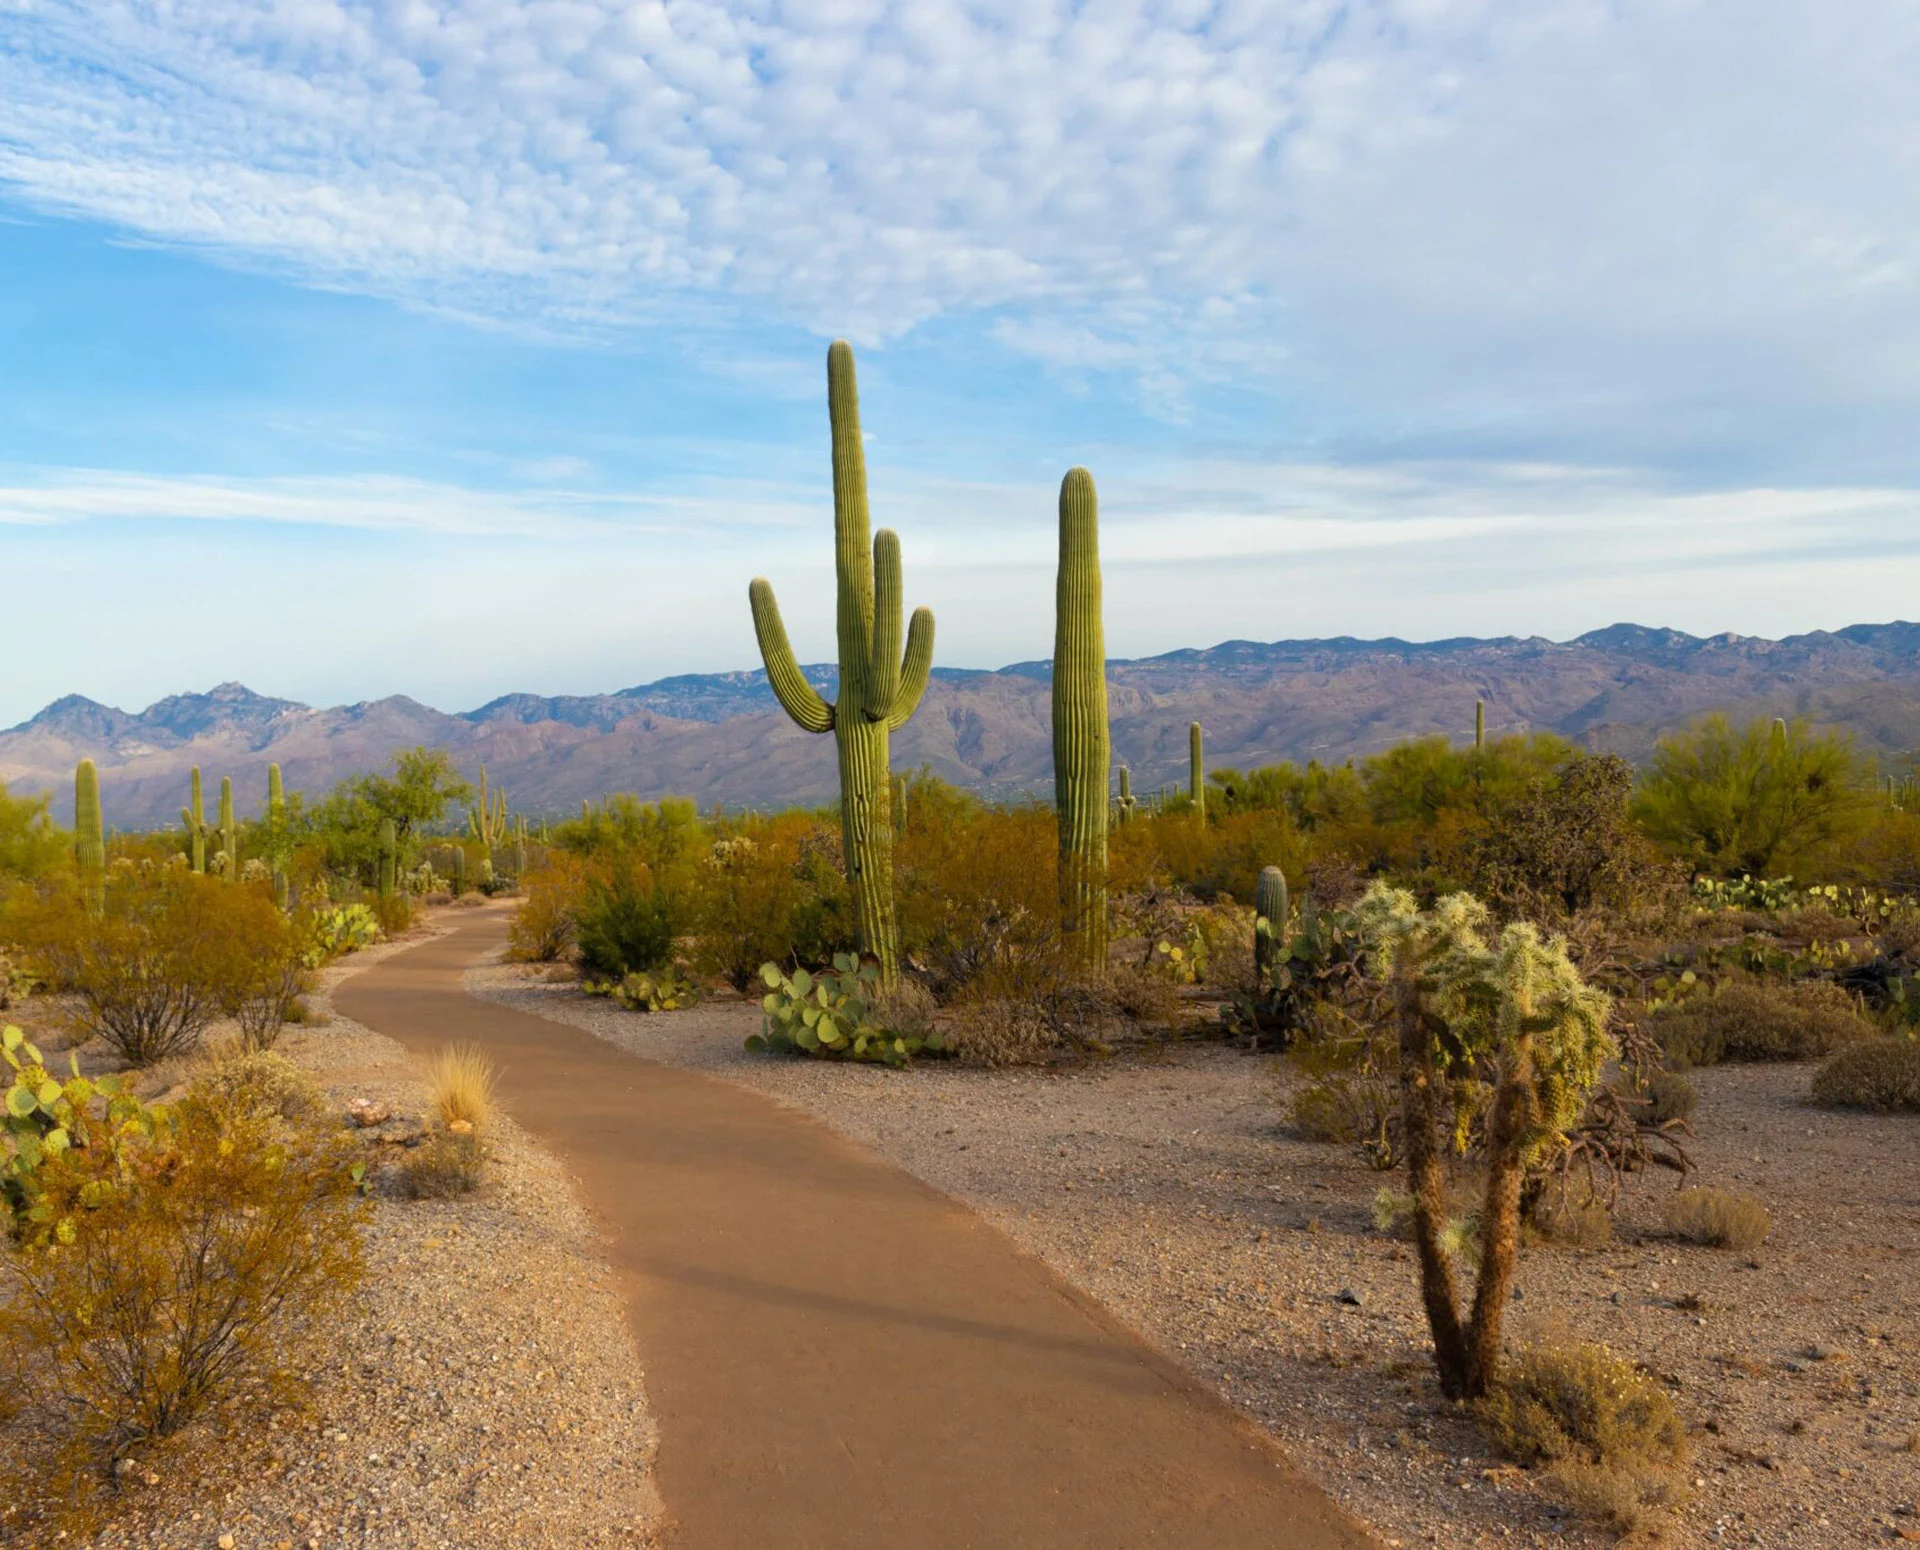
(1719, 1218)
(246, 1081)
(624, 927)
(544, 927)
(1882, 1075)
(833, 1015)
(1749, 1020)
(1607, 1433)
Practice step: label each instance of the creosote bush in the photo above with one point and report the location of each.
(624, 924)
(1752, 1020)
(544, 929)
(1881, 1075)
(1608, 1435)
(1719, 1218)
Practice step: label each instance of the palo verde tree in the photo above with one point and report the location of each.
(1507, 1028)
(879, 689)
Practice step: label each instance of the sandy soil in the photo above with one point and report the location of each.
(484, 1371)
(1170, 1188)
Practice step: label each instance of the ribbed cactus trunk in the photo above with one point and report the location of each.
(1082, 751)
(277, 832)
(1126, 804)
(194, 818)
(1270, 907)
(1197, 769)
(389, 856)
(89, 833)
(229, 831)
(879, 689)
(1479, 723)
(459, 870)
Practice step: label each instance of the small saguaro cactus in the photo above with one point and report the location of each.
(193, 818)
(229, 830)
(1082, 751)
(277, 833)
(1479, 723)
(459, 870)
(487, 818)
(89, 833)
(389, 857)
(1270, 908)
(1125, 803)
(1197, 769)
(879, 688)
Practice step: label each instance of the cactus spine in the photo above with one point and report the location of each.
(1197, 769)
(879, 689)
(277, 832)
(229, 831)
(1270, 907)
(1082, 751)
(1479, 723)
(89, 833)
(1126, 803)
(389, 849)
(193, 818)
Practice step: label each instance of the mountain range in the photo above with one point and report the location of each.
(720, 737)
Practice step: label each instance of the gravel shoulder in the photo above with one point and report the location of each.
(1169, 1187)
(482, 1375)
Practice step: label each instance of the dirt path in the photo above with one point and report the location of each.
(838, 1357)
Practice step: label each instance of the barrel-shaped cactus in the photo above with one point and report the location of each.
(1197, 769)
(193, 818)
(1082, 751)
(1270, 908)
(879, 687)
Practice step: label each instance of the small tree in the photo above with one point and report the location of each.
(1513, 1024)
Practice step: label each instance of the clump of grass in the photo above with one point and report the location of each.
(462, 1085)
(1672, 1097)
(1719, 1218)
(1002, 1032)
(1751, 1020)
(451, 1161)
(1882, 1075)
(1608, 1435)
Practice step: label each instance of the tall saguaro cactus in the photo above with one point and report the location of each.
(389, 857)
(277, 834)
(1082, 750)
(1197, 769)
(879, 689)
(1270, 909)
(89, 832)
(193, 818)
(229, 830)
(1479, 723)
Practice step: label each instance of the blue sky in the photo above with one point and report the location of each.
(465, 347)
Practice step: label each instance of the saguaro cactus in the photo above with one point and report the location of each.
(89, 833)
(1197, 769)
(1479, 723)
(1082, 751)
(229, 830)
(277, 833)
(1270, 907)
(487, 818)
(459, 870)
(879, 689)
(389, 857)
(193, 818)
(1126, 803)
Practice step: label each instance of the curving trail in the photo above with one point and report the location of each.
(837, 1356)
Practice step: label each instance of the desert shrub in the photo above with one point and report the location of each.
(1670, 1096)
(625, 925)
(1350, 1095)
(232, 1077)
(161, 957)
(269, 954)
(393, 912)
(907, 1009)
(182, 1267)
(1001, 1032)
(544, 928)
(745, 894)
(1748, 1020)
(1572, 1218)
(451, 1161)
(978, 898)
(1719, 1218)
(658, 990)
(461, 1086)
(1882, 1075)
(1609, 1436)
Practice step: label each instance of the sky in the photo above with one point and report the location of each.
(459, 347)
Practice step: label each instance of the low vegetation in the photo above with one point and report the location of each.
(1719, 1218)
(1880, 1075)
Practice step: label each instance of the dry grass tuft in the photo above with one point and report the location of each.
(1608, 1435)
(1719, 1218)
(1882, 1075)
(462, 1086)
(451, 1161)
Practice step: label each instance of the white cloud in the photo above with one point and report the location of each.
(1497, 210)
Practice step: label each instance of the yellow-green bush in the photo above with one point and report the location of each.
(1882, 1075)
(1756, 1020)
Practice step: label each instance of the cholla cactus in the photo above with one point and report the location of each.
(879, 688)
(254, 870)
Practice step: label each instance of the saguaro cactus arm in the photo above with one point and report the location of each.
(798, 698)
(915, 670)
